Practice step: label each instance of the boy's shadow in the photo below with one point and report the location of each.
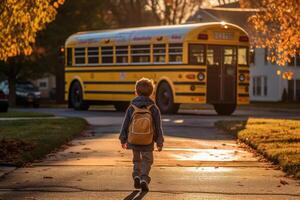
(136, 195)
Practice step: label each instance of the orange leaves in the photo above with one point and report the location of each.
(20, 21)
(58, 3)
(288, 75)
(278, 28)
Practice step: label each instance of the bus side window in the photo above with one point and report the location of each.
(197, 54)
(80, 55)
(122, 54)
(140, 53)
(93, 55)
(159, 53)
(175, 53)
(107, 55)
(69, 56)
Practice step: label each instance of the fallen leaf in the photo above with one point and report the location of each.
(283, 182)
(48, 177)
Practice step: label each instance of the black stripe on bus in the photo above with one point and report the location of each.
(130, 92)
(109, 82)
(244, 84)
(133, 82)
(243, 95)
(134, 65)
(108, 92)
(136, 70)
(189, 94)
(244, 71)
(188, 83)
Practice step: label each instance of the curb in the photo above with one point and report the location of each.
(6, 169)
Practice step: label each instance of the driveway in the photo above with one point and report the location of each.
(198, 162)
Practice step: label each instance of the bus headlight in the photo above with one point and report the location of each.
(242, 77)
(201, 76)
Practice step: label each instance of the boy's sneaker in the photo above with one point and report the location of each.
(144, 186)
(137, 182)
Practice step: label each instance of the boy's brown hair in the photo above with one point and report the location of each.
(144, 87)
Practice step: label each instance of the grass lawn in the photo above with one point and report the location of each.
(277, 139)
(11, 114)
(24, 141)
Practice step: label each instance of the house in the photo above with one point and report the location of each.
(47, 86)
(268, 81)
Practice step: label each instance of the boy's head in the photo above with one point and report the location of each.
(144, 87)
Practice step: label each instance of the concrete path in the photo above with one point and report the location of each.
(198, 162)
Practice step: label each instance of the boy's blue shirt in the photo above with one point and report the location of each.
(142, 101)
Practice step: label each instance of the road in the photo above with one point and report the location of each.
(198, 162)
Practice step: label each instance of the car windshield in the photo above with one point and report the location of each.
(27, 86)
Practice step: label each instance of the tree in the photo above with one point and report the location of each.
(71, 18)
(277, 25)
(127, 13)
(148, 12)
(20, 21)
(173, 11)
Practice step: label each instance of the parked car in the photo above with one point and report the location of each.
(26, 93)
(3, 102)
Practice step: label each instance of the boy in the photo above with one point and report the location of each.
(141, 128)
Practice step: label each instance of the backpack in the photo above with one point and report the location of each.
(141, 130)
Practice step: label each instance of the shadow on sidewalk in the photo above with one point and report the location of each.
(135, 195)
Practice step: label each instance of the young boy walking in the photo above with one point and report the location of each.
(140, 130)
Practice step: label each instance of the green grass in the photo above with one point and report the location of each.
(11, 114)
(27, 140)
(277, 139)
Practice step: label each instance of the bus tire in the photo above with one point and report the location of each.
(121, 106)
(76, 97)
(225, 109)
(165, 99)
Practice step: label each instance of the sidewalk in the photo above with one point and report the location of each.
(95, 167)
(198, 162)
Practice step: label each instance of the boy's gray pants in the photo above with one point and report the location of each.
(142, 161)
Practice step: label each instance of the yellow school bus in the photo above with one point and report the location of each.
(203, 63)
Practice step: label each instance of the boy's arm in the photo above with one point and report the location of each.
(124, 129)
(158, 127)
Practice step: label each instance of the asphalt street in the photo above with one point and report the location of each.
(198, 162)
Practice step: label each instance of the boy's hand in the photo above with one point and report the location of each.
(159, 149)
(124, 146)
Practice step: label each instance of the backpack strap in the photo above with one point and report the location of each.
(149, 107)
(137, 109)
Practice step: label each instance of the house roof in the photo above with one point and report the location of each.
(238, 16)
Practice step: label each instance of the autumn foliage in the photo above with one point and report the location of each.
(277, 25)
(20, 21)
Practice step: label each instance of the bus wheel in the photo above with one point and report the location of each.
(76, 97)
(165, 99)
(225, 109)
(121, 106)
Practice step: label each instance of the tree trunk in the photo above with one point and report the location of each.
(12, 90)
(60, 83)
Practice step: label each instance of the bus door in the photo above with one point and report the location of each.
(221, 74)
